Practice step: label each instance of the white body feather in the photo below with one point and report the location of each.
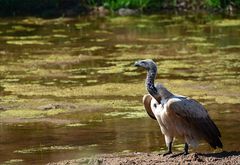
(171, 125)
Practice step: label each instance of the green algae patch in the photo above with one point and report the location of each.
(230, 47)
(13, 161)
(116, 89)
(142, 25)
(45, 149)
(66, 58)
(22, 28)
(225, 112)
(96, 105)
(227, 99)
(28, 42)
(99, 40)
(41, 21)
(51, 73)
(58, 58)
(122, 20)
(151, 52)
(76, 125)
(59, 30)
(213, 92)
(32, 37)
(111, 70)
(197, 39)
(103, 32)
(82, 25)
(128, 46)
(27, 113)
(124, 67)
(127, 115)
(166, 65)
(77, 76)
(227, 22)
(93, 48)
(51, 65)
(60, 36)
(201, 44)
(92, 81)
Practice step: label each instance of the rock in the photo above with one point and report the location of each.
(103, 11)
(127, 12)
(100, 10)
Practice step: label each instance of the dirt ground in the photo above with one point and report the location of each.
(221, 158)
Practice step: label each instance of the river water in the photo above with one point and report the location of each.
(69, 89)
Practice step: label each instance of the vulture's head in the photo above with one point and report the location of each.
(147, 64)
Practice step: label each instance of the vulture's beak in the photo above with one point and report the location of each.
(137, 64)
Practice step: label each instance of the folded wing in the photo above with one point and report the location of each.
(147, 105)
(197, 116)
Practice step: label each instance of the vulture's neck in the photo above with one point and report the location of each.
(151, 75)
(159, 92)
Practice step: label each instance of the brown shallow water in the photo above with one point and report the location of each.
(69, 89)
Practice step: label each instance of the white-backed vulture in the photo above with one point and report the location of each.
(177, 116)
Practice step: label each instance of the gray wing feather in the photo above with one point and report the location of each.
(196, 115)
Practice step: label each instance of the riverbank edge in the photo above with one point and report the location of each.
(220, 158)
(74, 10)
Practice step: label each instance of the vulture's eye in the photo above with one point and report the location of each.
(155, 105)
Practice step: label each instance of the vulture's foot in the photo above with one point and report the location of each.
(167, 153)
(185, 153)
(179, 154)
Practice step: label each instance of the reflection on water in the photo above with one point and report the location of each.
(68, 88)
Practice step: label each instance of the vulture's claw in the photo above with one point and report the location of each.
(167, 153)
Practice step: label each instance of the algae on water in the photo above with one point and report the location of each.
(47, 149)
(30, 113)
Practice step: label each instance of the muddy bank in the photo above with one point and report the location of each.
(224, 157)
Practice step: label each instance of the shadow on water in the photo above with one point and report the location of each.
(69, 89)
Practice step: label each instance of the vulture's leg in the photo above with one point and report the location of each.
(169, 146)
(168, 141)
(185, 149)
(185, 152)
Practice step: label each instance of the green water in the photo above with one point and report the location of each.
(69, 89)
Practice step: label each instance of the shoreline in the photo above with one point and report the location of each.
(220, 158)
(75, 9)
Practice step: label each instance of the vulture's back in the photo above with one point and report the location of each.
(192, 120)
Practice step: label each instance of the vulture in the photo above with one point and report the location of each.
(177, 116)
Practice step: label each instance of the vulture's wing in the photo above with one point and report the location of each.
(196, 115)
(147, 105)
